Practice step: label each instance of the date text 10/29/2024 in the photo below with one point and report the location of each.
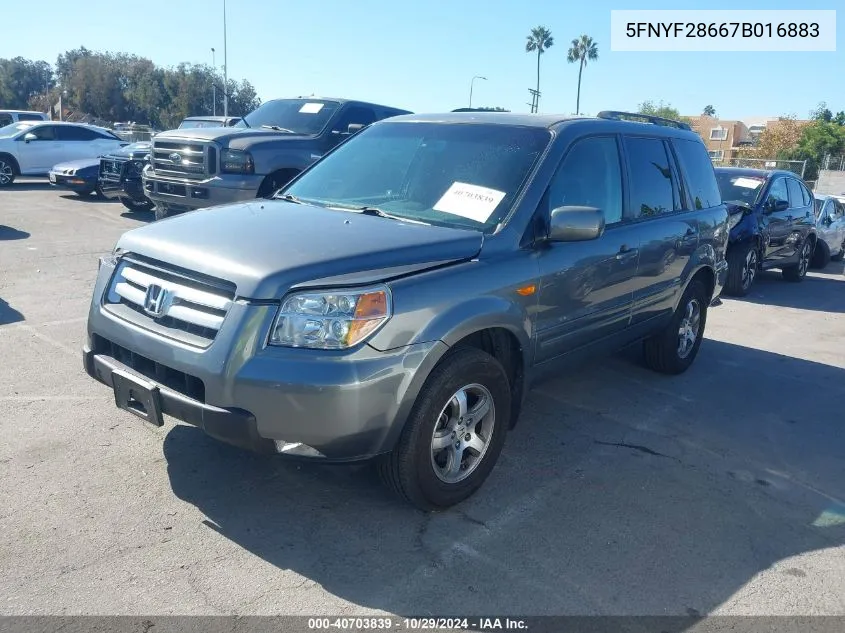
(416, 624)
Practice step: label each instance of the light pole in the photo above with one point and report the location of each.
(470, 87)
(225, 67)
(214, 83)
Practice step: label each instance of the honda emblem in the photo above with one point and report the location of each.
(154, 300)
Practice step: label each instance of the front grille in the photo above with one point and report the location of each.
(182, 159)
(178, 381)
(181, 304)
(111, 169)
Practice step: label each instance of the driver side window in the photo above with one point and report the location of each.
(354, 115)
(45, 133)
(590, 175)
(777, 193)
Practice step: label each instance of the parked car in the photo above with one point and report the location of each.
(397, 299)
(120, 175)
(196, 168)
(80, 176)
(208, 121)
(830, 226)
(31, 148)
(772, 225)
(7, 117)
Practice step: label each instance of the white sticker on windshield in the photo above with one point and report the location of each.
(470, 201)
(311, 108)
(748, 183)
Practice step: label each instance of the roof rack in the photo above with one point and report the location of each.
(642, 118)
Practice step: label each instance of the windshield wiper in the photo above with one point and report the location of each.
(384, 214)
(276, 128)
(290, 198)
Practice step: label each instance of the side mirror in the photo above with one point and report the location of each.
(29, 136)
(355, 127)
(575, 224)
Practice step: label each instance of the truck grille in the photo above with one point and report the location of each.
(169, 301)
(111, 168)
(183, 159)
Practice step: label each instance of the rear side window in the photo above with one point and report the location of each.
(795, 197)
(698, 173)
(30, 117)
(653, 189)
(590, 175)
(5, 119)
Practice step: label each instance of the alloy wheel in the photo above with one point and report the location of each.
(688, 328)
(463, 433)
(750, 269)
(6, 173)
(804, 260)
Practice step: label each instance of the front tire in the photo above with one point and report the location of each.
(454, 434)
(136, 207)
(821, 255)
(743, 262)
(798, 271)
(674, 349)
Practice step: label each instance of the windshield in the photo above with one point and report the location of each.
(459, 175)
(299, 116)
(14, 128)
(739, 188)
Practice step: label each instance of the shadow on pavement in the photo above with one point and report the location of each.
(822, 290)
(7, 313)
(73, 197)
(31, 185)
(140, 216)
(8, 233)
(620, 492)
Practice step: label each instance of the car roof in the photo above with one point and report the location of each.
(548, 121)
(209, 118)
(342, 101)
(64, 123)
(23, 112)
(760, 173)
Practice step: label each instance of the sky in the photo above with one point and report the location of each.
(421, 55)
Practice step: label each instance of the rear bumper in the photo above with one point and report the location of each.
(189, 195)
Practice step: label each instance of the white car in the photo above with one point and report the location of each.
(31, 148)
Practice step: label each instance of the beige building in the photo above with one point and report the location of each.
(723, 138)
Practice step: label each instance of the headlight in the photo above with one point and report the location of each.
(235, 161)
(332, 319)
(734, 219)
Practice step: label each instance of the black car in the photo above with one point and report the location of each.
(120, 176)
(80, 176)
(771, 222)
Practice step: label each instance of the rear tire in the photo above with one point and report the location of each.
(8, 171)
(674, 349)
(451, 442)
(821, 256)
(743, 263)
(798, 271)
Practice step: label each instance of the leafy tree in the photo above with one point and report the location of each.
(839, 119)
(662, 110)
(821, 113)
(779, 139)
(709, 110)
(539, 40)
(582, 49)
(21, 80)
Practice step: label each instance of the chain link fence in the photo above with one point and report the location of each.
(798, 167)
(833, 163)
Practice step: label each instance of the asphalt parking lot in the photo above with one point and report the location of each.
(620, 491)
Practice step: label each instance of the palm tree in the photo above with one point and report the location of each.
(539, 40)
(582, 49)
(709, 111)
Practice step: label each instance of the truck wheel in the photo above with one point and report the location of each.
(130, 204)
(742, 269)
(454, 434)
(674, 349)
(8, 171)
(821, 255)
(798, 271)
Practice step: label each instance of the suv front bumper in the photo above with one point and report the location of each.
(186, 195)
(345, 405)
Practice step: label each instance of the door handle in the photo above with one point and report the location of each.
(626, 253)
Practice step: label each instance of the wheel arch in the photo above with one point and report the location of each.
(281, 176)
(14, 161)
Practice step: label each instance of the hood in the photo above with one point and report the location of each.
(267, 246)
(235, 137)
(76, 164)
(135, 151)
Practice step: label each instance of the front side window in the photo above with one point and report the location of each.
(459, 175)
(296, 116)
(354, 115)
(777, 193)
(590, 175)
(653, 190)
(44, 132)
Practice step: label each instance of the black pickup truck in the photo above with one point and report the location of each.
(203, 167)
(120, 175)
